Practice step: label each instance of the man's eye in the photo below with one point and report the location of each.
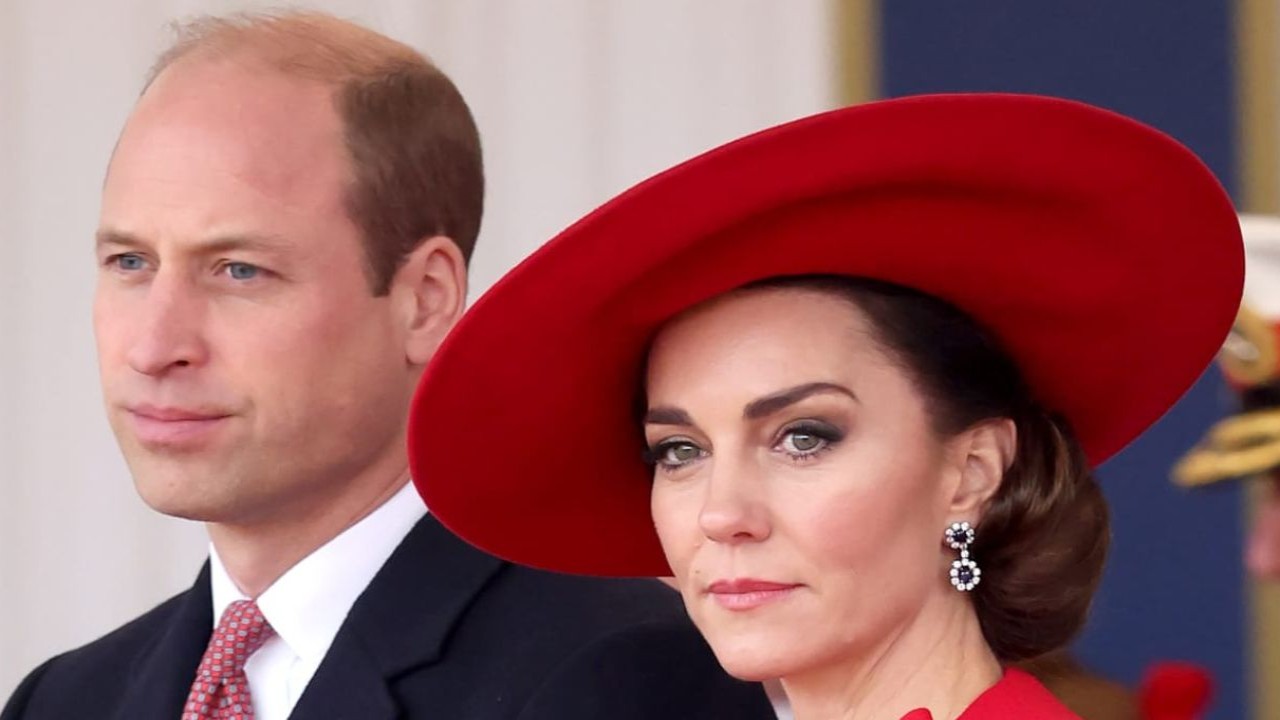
(242, 271)
(127, 261)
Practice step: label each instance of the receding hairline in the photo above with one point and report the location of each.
(306, 44)
(410, 139)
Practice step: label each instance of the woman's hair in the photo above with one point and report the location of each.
(1042, 540)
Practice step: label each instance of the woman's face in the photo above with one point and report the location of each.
(799, 491)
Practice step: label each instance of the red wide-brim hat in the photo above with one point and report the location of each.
(1103, 254)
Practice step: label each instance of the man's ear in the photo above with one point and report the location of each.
(984, 453)
(429, 293)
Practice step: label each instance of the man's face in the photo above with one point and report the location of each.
(248, 372)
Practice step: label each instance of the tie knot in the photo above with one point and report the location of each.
(241, 631)
(221, 689)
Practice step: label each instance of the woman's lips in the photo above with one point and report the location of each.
(748, 593)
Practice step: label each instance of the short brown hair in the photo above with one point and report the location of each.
(1042, 541)
(412, 142)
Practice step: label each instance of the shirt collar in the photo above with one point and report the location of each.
(308, 604)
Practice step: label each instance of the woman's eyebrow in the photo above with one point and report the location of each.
(667, 416)
(769, 404)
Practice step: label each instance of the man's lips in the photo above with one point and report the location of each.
(173, 414)
(173, 427)
(743, 594)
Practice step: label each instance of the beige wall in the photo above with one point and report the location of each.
(575, 99)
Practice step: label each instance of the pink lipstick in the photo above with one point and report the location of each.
(747, 593)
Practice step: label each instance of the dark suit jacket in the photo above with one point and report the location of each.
(443, 631)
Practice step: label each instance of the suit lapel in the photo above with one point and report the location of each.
(162, 676)
(401, 621)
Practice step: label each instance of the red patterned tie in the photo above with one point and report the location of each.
(221, 690)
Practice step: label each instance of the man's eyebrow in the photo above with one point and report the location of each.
(108, 236)
(215, 244)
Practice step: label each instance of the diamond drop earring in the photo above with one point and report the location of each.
(965, 573)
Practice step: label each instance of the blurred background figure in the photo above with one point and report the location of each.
(1169, 690)
(1087, 694)
(1246, 444)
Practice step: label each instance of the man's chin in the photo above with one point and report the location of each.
(185, 508)
(182, 492)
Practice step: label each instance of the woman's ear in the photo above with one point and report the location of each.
(429, 291)
(984, 453)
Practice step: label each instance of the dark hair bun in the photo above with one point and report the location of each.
(1041, 544)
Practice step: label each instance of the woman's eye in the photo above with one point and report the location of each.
(675, 453)
(681, 453)
(800, 442)
(808, 440)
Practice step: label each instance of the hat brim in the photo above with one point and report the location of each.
(1102, 253)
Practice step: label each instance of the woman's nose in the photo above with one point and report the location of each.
(734, 509)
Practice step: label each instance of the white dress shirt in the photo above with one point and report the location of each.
(308, 604)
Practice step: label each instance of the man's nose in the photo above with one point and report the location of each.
(169, 327)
